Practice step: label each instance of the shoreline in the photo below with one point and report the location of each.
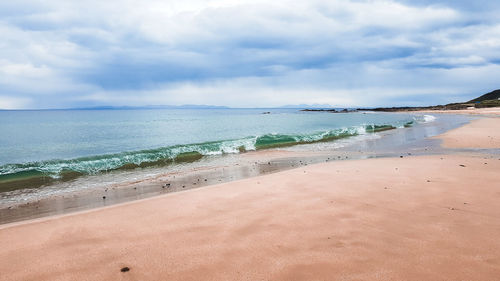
(413, 218)
(226, 169)
(431, 215)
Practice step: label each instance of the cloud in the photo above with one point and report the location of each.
(246, 53)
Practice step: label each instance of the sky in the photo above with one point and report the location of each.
(68, 53)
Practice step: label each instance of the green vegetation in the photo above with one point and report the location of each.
(488, 103)
(491, 99)
(494, 95)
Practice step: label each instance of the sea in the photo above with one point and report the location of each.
(40, 148)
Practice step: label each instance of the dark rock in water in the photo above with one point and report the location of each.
(267, 112)
(125, 269)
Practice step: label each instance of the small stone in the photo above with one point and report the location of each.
(104, 197)
(125, 269)
(461, 165)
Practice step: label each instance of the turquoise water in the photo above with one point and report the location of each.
(62, 144)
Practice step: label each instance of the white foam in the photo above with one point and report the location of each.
(429, 118)
(425, 118)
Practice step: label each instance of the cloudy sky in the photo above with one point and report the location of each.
(62, 53)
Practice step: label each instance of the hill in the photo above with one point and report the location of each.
(495, 95)
(491, 99)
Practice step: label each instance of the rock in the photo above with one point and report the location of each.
(461, 165)
(104, 197)
(125, 269)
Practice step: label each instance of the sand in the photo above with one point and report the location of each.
(491, 111)
(481, 133)
(413, 218)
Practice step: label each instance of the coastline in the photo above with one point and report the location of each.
(429, 217)
(491, 112)
(103, 190)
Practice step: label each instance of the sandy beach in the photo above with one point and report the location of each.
(407, 218)
(481, 133)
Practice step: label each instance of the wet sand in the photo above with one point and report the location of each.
(411, 218)
(123, 186)
(481, 133)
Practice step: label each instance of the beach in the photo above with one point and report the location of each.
(426, 217)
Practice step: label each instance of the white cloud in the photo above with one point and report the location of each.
(244, 53)
(9, 102)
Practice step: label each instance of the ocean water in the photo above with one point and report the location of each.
(38, 147)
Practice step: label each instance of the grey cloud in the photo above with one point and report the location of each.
(129, 52)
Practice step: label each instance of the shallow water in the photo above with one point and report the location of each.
(124, 185)
(43, 147)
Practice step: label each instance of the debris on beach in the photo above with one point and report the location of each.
(125, 269)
